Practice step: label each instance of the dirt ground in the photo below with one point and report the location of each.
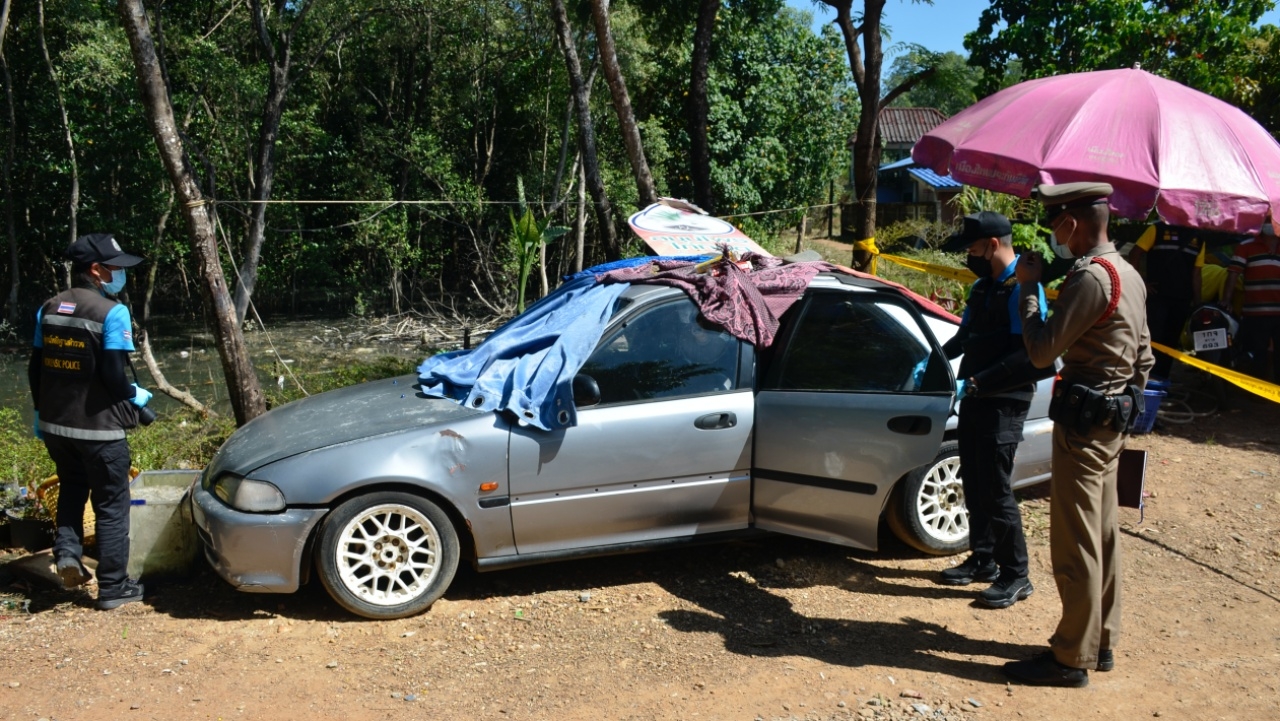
(773, 629)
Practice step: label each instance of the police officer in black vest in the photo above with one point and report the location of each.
(84, 402)
(995, 387)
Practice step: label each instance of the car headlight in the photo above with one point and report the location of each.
(246, 494)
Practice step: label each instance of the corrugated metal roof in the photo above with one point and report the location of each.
(898, 164)
(934, 180)
(907, 125)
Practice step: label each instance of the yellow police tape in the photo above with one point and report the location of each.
(1249, 383)
(962, 275)
(869, 245)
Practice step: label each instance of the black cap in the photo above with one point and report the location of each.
(985, 224)
(100, 248)
(1057, 198)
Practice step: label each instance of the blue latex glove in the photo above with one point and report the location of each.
(961, 389)
(140, 396)
(917, 373)
(35, 427)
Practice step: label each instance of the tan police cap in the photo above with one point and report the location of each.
(1057, 198)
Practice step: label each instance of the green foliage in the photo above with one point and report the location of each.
(945, 290)
(424, 113)
(1024, 212)
(904, 232)
(1200, 43)
(780, 111)
(23, 458)
(1258, 87)
(951, 88)
(180, 439)
(528, 235)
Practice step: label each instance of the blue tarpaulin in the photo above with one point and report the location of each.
(527, 366)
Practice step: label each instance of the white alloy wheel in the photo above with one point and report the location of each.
(387, 555)
(927, 510)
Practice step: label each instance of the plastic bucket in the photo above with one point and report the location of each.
(1146, 419)
(162, 536)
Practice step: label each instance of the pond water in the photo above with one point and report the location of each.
(189, 360)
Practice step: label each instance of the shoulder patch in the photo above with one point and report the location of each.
(66, 307)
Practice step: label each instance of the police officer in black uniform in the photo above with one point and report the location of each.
(83, 403)
(1174, 256)
(995, 389)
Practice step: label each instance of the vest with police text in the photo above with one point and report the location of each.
(74, 403)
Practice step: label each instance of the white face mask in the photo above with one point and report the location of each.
(116, 284)
(1060, 250)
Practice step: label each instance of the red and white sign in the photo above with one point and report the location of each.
(674, 227)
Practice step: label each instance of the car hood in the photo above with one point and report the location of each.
(339, 416)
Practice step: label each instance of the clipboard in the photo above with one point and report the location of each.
(1131, 475)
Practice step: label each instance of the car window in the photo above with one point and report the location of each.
(848, 343)
(664, 351)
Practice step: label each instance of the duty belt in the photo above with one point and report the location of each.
(1082, 408)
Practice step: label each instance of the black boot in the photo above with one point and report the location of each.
(1044, 670)
(974, 568)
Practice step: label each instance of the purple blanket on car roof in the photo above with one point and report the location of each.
(746, 304)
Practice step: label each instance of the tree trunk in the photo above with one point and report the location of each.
(155, 263)
(73, 204)
(586, 133)
(622, 103)
(278, 61)
(12, 312)
(245, 392)
(699, 147)
(865, 63)
(580, 223)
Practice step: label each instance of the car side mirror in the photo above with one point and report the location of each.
(586, 392)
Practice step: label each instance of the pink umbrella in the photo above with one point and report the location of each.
(1198, 161)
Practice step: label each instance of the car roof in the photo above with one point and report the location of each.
(831, 277)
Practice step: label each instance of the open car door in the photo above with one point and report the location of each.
(855, 395)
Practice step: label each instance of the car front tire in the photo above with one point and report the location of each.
(387, 554)
(926, 509)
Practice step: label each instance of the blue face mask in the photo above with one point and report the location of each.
(117, 282)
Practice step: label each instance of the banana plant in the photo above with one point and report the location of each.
(528, 236)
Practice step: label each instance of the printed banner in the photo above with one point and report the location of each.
(674, 227)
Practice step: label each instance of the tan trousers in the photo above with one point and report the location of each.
(1084, 543)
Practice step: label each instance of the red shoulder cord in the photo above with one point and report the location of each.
(1114, 302)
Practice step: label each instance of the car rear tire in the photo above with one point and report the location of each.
(387, 555)
(926, 509)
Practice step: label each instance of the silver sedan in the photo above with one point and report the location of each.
(684, 435)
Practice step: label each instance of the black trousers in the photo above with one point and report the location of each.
(96, 471)
(989, 432)
(1258, 333)
(1166, 318)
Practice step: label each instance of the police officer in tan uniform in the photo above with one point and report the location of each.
(1099, 328)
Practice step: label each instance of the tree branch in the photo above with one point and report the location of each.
(906, 85)
(162, 383)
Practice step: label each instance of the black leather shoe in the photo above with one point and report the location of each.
(973, 569)
(1006, 591)
(71, 571)
(1044, 670)
(127, 592)
(1106, 660)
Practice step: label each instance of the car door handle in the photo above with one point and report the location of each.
(714, 421)
(911, 425)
